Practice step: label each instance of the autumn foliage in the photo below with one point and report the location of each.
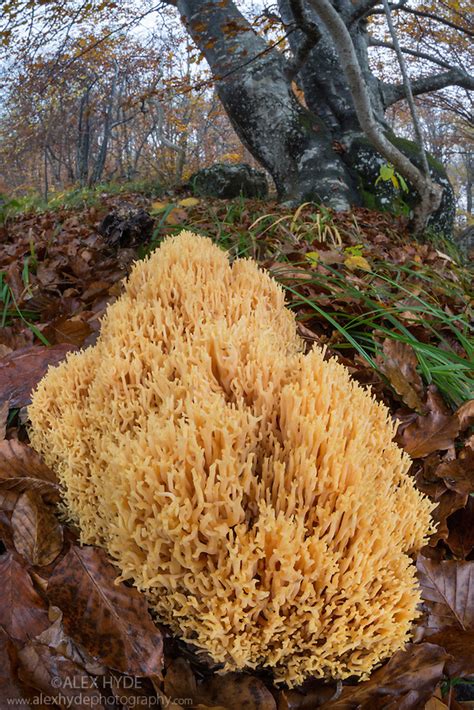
(67, 630)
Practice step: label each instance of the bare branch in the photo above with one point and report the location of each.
(423, 13)
(454, 77)
(408, 89)
(411, 52)
(363, 9)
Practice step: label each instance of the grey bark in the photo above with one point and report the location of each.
(107, 132)
(83, 138)
(293, 144)
(320, 152)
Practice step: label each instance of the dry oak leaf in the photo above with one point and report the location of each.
(21, 371)
(406, 682)
(23, 613)
(37, 533)
(21, 469)
(399, 366)
(434, 431)
(111, 621)
(447, 588)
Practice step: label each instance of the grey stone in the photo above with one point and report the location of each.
(228, 181)
(465, 243)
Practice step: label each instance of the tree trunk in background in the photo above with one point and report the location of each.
(469, 165)
(101, 158)
(292, 143)
(83, 139)
(315, 152)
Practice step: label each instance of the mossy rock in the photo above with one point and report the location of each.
(229, 181)
(465, 243)
(366, 162)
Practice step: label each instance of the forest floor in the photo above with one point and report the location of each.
(397, 313)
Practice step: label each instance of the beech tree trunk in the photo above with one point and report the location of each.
(317, 150)
(292, 143)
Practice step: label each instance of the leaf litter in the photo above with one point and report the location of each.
(68, 629)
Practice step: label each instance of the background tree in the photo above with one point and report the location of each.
(282, 81)
(319, 150)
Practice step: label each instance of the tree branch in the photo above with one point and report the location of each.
(454, 77)
(363, 8)
(312, 36)
(429, 193)
(422, 13)
(408, 89)
(411, 52)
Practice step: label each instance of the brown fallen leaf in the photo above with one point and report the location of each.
(73, 331)
(132, 692)
(448, 503)
(23, 613)
(447, 588)
(13, 693)
(399, 364)
(460, 539)
(6, 537)
(458, 474)
(179, 681)
(61, 680)
(21, 371)
(460, 646)
(434, 431)
(111, 621)
(313, 694)
(4, 409)
(436, 702)
(56, 638)
(406, 682)
(37, 533)
(465, 414)
(235, 691)
(21, 469)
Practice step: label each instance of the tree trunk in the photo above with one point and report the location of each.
(319, 151)
(292, 143)
(83, 139)
(101, 158)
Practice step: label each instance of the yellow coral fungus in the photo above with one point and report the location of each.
(252, 492)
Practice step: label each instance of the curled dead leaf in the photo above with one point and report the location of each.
(406, 682)
(399, 364)
(434, 431)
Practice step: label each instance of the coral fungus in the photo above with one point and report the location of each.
(253, 492)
